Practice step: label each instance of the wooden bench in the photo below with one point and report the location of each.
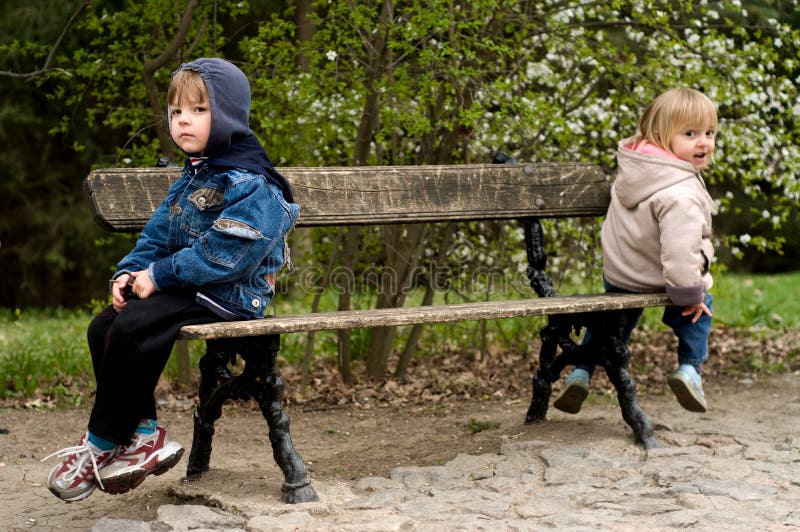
(124, 199)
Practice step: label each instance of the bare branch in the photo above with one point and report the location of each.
(46, 67)
(151, 67)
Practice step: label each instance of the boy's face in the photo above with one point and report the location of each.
(190, 124)
(694, 145)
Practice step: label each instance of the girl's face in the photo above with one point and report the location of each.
(190, 125)
(694, 145)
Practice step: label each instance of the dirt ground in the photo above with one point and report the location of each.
(344, 443)
(462, 403)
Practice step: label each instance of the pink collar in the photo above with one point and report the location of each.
(650, 149)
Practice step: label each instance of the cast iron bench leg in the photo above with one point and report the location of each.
(633, 415)
(543, 286)
(260, 381)
(268, 393)
(547, 373)
(605, 348)
(214, 390)
(615, 357)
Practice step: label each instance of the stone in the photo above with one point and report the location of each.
(193, 517)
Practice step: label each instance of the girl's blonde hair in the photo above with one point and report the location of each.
(186, 85)
(673, 110)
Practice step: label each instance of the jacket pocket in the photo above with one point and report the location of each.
(708, 253)
(229, 253)
(206, 198)
(201, 209)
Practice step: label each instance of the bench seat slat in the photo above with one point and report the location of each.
(327, 321)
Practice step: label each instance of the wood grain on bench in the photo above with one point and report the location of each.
(387, 317)
(123, 199)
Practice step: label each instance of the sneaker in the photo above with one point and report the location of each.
(146, 454)
(575, 390)
(687, 386)
(74, 478)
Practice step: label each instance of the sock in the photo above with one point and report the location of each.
(691, 369)
(580, 372)
(146, 426)
(100, 442)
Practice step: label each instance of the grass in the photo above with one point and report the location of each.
(39, 347)
(475, 426)
(746, 301)
(44, 352)
(768, 301)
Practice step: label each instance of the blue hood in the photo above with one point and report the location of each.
(231, 143)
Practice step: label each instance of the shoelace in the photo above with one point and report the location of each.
(83, 452)
(136, 440)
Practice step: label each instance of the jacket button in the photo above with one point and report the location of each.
(201, 201)
(256, 303)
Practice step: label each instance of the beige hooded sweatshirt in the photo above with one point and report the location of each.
(657, 233)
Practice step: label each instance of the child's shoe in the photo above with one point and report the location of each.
(687, 386)
(575, 390)
(74, 478)
(146, 454)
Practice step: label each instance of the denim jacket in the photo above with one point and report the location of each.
(221, 231)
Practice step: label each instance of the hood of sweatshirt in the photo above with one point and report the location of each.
(640, 175)
(231, 143)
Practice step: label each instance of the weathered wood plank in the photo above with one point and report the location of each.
(328, 321)
(124, 198)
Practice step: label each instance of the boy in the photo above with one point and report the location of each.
(210, 251)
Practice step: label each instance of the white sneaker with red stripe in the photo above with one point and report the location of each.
(74, 478)
(146, 454)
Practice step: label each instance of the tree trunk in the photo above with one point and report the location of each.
(305, 370)
(305, 30)
(368, 125)
(351, 245)
(405, 243)
(182, 357)
(430, 291)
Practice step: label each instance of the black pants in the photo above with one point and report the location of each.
(129, 351)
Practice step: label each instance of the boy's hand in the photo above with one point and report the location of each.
(698, 310)
(138, 283)
(118, 289)
(143, 286)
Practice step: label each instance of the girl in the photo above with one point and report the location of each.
(657, 233)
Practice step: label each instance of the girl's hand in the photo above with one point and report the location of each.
(698, 310)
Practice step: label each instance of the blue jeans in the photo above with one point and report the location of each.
(692, 337)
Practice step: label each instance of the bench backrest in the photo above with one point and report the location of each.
(123, 199)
